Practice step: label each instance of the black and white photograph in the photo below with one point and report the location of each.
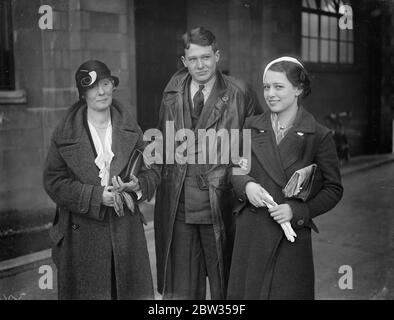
(211, 150)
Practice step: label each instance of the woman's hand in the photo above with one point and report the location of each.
(132, 186)
(108, 196)
(257, 195)
(281, 213)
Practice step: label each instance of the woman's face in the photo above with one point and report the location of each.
(99, 97)
(279, 93)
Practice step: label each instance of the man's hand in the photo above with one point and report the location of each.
(281, 213)
(257, 195)
(108, 196)
(132, 186)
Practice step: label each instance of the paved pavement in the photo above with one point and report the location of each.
(358, 233)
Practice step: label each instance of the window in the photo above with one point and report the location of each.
(322, 39)
(6, 47)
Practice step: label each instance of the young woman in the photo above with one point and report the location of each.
(99, 249)
(265, 265)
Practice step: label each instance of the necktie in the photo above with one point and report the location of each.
(198, 101)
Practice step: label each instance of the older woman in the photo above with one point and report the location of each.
(265, 265)
(100, 252)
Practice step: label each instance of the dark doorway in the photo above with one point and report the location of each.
(375, 76)
(159, 27)
(6, 47)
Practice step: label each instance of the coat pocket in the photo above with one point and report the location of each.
(56, 235)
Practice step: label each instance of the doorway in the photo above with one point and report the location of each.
(159, 28)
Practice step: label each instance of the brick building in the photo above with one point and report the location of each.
(352, 70)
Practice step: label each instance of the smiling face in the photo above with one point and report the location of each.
(201, 61)
(279, 93)
(99, 97)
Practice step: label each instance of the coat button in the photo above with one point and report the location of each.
(240, 199)
(300, 222)
(253, 209)
(74, 226)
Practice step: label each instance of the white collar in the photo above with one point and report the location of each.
(207, 86)
(104, 152)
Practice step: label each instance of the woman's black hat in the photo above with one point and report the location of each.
(90, 72)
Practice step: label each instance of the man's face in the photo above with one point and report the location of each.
(201, 62)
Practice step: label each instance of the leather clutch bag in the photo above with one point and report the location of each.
(302, 184)
(134, 165)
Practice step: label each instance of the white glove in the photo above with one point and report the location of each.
(287, 229)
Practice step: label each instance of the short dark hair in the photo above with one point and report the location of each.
(296, 74)
(200, 36)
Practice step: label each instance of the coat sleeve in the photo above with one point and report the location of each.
(331, 191)
(253, 106)
(66, 191)
(149, 176)
(239, 183)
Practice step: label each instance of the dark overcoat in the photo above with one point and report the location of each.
(230, 102)
(96, 251)
(265, 265)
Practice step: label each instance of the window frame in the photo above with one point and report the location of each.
(319, 12)
(7, 82)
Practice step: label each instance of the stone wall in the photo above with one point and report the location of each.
(45, 63)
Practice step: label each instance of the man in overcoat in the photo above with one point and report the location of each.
(193, 219)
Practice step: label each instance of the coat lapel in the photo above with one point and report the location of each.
(215, 105)
(265, 149)
(86, 156)
(175, 92)
(187, 117)
(124, 139)
(76, 148)
(292, 146)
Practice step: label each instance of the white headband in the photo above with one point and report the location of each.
(289, 59)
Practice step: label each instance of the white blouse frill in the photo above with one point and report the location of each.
(104, 153)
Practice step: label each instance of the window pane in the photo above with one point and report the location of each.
(328, 6)
(322, 39)
(305, 49)
(331, 6)
(324, 26)
(350, 34)
(313, 25)
(333, 28)
(313, 50)
(343, 52)
(305, 24)
(312, 4)
(333, 52)
(350, 52)
(324, 51)
(343, 34)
